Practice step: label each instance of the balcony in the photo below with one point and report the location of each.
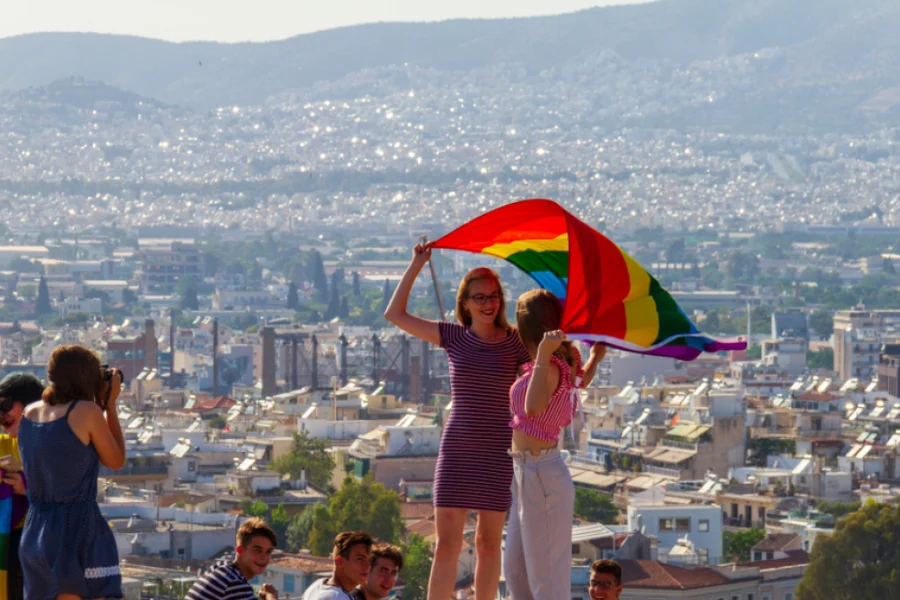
(131, 471)
(677, 444)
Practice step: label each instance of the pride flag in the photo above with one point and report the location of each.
(608, 297)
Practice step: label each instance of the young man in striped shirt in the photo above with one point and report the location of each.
(230, 580)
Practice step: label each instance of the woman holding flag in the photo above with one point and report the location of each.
(474, 469)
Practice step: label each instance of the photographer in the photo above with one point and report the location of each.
(68, 550)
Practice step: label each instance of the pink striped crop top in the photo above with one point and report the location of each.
(562, 407)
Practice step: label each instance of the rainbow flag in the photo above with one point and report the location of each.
(608, 296)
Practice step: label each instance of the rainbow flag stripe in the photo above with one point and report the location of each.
(608, 296)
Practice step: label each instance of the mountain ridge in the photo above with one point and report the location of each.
(823, 42)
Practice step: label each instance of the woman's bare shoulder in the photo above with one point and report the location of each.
(34, 409)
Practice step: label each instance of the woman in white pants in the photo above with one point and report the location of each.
(538, 556)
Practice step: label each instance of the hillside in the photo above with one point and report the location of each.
(848, 51)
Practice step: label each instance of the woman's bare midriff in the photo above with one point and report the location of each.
(522, 442)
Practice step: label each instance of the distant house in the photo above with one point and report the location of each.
(292, 574)
(212, 405)
(776, 546)
(646, 579)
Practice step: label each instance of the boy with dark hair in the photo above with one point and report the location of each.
(17, 391)
(352, 551)
(384, 566)
(255, 542)
(606, 580)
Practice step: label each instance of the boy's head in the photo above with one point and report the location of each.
(17, 390)
(606, 580)
(385, 564)
(352, 550)
(255, 542)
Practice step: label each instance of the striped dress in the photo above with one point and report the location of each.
(474, 470)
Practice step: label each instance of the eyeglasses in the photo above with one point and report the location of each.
(482, 299)
(603, 585)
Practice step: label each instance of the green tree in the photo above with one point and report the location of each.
(128, 296)
(316, 272)
(344, 312)
(754, 352)
(837, 509)
(334, 304)
(359, 505)
(277, 518)
(279, 521)
(736, 545)
(299, 529)
(820, 359)
(322, 532)
(42, 306)
(356, 288)
(822, 323)
(187, 289)
(218, 422)
(338, 280)
(417, 559)
(307, 454)
(292, 299)
(21, 265)
(594, 506)
(860, 560)
(27, 291)
(675, 251)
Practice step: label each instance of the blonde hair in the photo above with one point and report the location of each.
(480, 274)
(538, 312)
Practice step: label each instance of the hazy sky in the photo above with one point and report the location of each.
(231, 20)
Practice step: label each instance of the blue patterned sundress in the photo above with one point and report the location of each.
(67, 546)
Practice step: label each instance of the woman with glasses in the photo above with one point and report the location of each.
(474, 469)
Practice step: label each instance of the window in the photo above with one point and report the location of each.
(289, 584)
(675, 524)
(789, 596)
(749, 596)
(703, 525)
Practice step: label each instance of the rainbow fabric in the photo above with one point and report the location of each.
(6, 523)
(608, 296)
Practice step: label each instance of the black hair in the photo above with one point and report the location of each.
(23, 388)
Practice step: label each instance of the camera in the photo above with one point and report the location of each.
(108, 373)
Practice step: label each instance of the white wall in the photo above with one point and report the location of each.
(336, 430)
(626, 366)
(649, 518)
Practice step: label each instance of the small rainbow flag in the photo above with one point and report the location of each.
(608, 296)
